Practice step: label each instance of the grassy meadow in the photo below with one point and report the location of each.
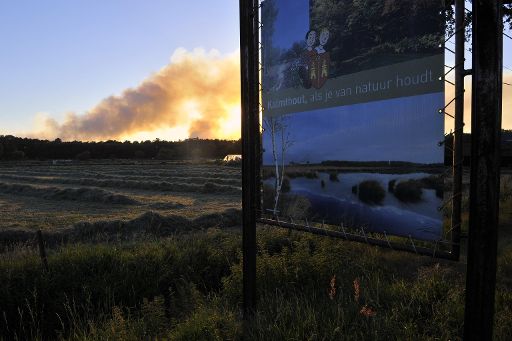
(132, 255)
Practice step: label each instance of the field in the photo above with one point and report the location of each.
(146, 250)
(59, 199)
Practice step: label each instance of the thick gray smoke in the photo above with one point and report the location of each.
(197, 90)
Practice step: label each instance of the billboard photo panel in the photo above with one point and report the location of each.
(351, 97)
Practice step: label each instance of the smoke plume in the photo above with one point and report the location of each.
(506, 103)
(197, 90)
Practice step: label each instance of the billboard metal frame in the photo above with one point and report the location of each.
(446, 248)
(484, 166)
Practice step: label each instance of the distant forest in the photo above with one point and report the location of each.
(506, 149)
(16, 148)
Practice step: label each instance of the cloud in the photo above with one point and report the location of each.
(197, 89)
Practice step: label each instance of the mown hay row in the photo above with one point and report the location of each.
(48, 173)
(181, 178)
(72, 194)
(145, 225)
(162, 186)
(215, 173)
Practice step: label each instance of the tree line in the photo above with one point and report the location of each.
(506, 149)
(17, 148)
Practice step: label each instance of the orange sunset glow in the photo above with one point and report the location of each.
(196, 95)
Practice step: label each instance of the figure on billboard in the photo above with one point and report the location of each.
(322, 60)
(316, 60)
(310, 41)
(307, 71)
(324, 37)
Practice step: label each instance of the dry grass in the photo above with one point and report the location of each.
(147, 225)
(73, 194)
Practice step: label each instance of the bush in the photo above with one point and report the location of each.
(294, 206)
(268, 196)
(139, 154)
(83, 156)
(84, 280)
(435, 182)
(354, 189)
(311, 175)
(391, 185)
(17, 155)
(371, 192)
(333, 176)
(286, 186)
(408, 191)
(162, 290)
(166, 154)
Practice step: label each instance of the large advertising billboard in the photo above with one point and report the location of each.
(351, 96)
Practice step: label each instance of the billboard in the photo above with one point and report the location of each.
(351, 97)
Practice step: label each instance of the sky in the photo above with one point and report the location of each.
(71, 68)
(61, 56)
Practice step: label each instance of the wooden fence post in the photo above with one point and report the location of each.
(485, 169)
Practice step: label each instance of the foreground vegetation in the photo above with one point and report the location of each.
(188, 287)
(172, 272)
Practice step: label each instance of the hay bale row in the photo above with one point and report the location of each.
(161, 186)
(147, 224)
(215, 173)
(187, 179)
(70, 194)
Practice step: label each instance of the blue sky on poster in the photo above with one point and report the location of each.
(62, 56)
(373, 131)
(292, 22)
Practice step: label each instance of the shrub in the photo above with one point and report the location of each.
(408, 191)
(311, 175)
(139, 154)
(294, 206)
(268, 196)
(85, 155)
(166, 154)
(354, 189)
(17, 155)
(371, 192)
(435, 182)
(333, 176)
(209, 324)
(391, 185)
(286, 186)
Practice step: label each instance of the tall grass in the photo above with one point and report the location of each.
(189, 288)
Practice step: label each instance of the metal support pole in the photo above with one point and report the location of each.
(485, 169)
(458, 133)
(249, 28)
